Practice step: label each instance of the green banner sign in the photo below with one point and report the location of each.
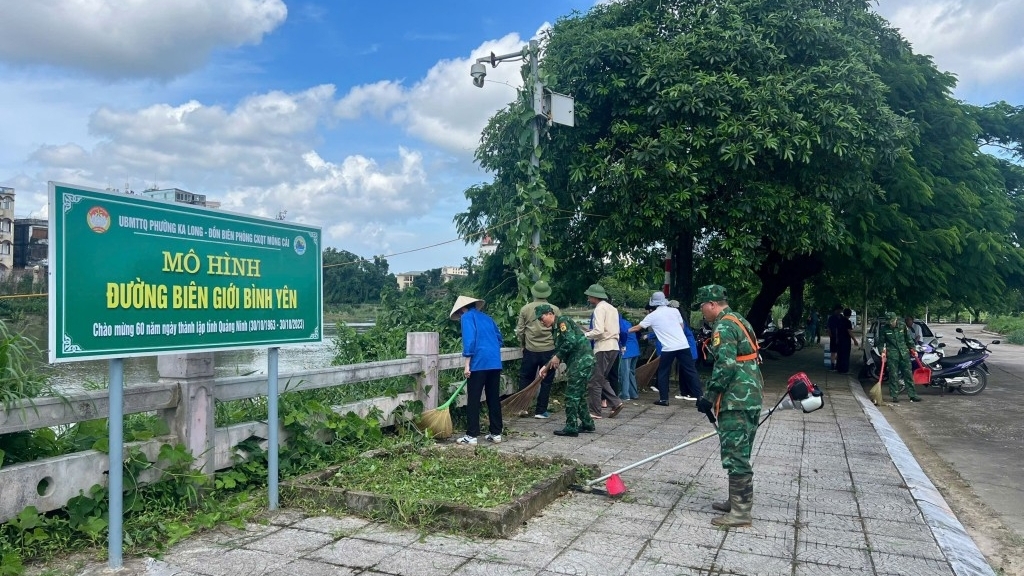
(136, 277)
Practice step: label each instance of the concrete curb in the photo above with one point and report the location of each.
(956, 544)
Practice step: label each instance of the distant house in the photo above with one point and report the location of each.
(449, 273)
(487, 246)
(405, 279)
(31, 236)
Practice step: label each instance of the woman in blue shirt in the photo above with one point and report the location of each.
(481, 347)
(629, 347)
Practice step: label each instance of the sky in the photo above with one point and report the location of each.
(357, 116)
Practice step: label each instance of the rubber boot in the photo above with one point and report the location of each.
(741, 500)
(725, 505)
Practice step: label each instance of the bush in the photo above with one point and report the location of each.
(1016, 337)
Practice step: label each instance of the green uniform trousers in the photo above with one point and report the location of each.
(736, 430)
(899, 368)
(577, 413)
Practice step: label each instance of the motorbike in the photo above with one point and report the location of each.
(781, 340)
(965, 372)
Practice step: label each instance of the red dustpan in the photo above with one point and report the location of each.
(615, 485)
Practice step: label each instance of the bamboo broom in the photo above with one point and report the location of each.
(439, 420)
(519, 402)
(876, 390)
(646, 372)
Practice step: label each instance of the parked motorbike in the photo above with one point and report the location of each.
(781, 340)
(703, 336)
(966, 372)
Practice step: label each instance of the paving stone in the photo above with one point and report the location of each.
(577, 562)
(647, 568)
(530, 554)
(238, 562)
(708, 536)
(631, 526)
(824, 536)
(910, 531)
(483, 568)
(736, 562)
(302, 567)
(286, 517)
(420, 563)
(343, 526)
(679, 553)
(387, 534)
(354, 553)
(290, 542)
(901, 546)
(808, 569)
(843, 557)
(893, 564)
(454, 544)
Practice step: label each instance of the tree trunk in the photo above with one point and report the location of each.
(682, 270)
(776, 275)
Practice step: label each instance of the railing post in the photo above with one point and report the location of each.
(426, 347)
(193, 419)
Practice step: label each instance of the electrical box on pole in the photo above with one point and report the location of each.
(558, 108)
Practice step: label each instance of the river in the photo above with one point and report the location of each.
(72, 377)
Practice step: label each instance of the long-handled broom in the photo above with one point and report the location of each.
(876, 390)
(515, 404)
(646, 372)
(439, 420)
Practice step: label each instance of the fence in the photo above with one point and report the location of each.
(185, 396)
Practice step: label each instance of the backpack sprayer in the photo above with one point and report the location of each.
(800, 393)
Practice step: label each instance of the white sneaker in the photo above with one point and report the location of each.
(494, 438)
(654, 388)
(467, 440)
(690, 398)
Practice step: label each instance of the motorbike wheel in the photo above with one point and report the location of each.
(977, 382)
(786, 348)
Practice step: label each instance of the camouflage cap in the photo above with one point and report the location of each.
(543, 309)
(709, 293)
(890, 316)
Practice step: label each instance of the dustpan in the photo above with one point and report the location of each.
(922, 375)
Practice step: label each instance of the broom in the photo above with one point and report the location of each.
(439, 420)
(515, 404)
(646, 372)
(876, 390)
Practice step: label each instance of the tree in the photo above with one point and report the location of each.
(741, 124)
(349, 279)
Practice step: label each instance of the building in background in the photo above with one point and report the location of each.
(487, 247)
(405, 279)
(449, 273)
(177, 195)
(31, 239)
(6, 230)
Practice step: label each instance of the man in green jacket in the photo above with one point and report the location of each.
(733, 397)
(573, 348)
(898, 345)
(537, 344)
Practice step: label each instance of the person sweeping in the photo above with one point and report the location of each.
(481, 347)
(900, 346)
(573, 348)
(735, 393)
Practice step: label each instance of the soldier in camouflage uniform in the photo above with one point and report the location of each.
(899, 346)
(573, 348)
(733, 396)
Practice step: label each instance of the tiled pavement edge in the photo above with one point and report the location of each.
(961, 551)
(836, 492)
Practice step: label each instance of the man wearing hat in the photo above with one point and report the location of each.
(538, 345)
(481, 347)
(899, 347)
(604, 332)
(572, 348)
(733, 396)
(667, 323)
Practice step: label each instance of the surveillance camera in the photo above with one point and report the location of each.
(478, 71)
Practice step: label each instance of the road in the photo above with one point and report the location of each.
(972, 447)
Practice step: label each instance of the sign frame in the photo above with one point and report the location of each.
(272, 258)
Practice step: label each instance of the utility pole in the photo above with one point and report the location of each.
(546, 106)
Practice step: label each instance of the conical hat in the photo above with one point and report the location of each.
(462, 302)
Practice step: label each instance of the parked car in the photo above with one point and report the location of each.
(872, 356)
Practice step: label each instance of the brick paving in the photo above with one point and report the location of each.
(836, 492)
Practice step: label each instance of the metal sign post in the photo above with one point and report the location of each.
(115, 463)
(272, 426)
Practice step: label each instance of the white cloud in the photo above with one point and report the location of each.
(978, 40)
(131, 38)
(443, 108)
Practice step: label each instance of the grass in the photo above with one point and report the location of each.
(1010, 326)
(480, 478)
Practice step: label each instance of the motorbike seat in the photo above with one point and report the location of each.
(949, 361)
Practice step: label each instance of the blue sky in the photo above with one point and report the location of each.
(357, 116)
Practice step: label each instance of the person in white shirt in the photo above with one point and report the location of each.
(667, 324)
(915, 329)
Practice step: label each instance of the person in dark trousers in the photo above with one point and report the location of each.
(481, 347)
(667, 324)
(835, 322)
(537, 344)
(845, 338)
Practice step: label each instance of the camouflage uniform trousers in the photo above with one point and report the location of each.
(577, 414)
(899, 368)
(736, 430)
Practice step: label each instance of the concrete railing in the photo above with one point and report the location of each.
(185, 398)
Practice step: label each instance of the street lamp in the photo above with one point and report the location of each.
(550, 106)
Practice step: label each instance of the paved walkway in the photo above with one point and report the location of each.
(836, 492)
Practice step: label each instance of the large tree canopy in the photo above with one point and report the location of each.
(777, 137)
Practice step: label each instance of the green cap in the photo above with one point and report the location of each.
(540, 289)
(709, 293)
(543, 309)
(890, 316)
(597, 291)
